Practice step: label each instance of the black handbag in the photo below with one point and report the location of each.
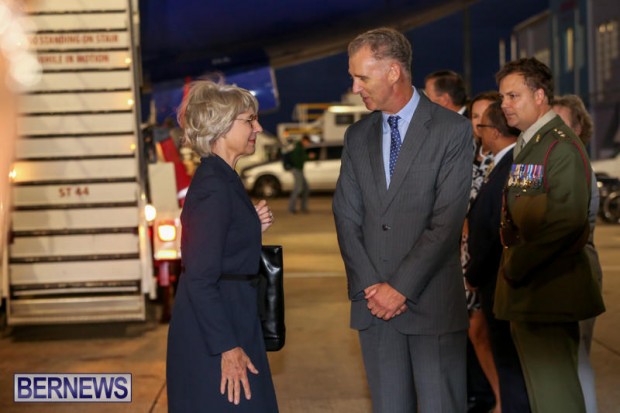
(271, 297)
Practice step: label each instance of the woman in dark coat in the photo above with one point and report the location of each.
(216, 359)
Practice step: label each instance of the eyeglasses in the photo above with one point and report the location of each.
(250, 120)
(482, 125)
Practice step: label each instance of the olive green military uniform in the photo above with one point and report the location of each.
(545, 283)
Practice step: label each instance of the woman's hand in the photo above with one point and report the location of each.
(264, 214)
(234, 374)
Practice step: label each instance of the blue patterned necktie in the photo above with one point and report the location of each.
(395, 142)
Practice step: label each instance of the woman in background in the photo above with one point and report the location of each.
(215, 335)
(573, 112)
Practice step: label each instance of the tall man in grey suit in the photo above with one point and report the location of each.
(399, 207)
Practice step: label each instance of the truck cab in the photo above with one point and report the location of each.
(322, 122)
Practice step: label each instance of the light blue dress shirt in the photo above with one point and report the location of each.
(406, 113)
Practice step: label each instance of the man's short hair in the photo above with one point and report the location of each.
(536, 74)
(450, 82)
(385, 43)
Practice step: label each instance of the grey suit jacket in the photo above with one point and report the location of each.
(407, 235)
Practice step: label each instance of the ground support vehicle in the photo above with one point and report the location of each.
(322, 122)
(609, 191)
(321, 170)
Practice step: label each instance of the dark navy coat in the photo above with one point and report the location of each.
(484, 217)
(221, 235)
(485, 247)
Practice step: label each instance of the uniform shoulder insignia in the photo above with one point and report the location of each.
(559, 132)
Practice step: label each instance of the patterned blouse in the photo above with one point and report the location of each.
(479, 171)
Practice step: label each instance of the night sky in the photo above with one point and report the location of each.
(436, 46)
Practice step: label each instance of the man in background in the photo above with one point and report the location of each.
(447, 89)
(297, 158)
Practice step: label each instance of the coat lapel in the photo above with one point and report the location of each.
(237, 185)
(235, 182)
(507, 158)
(375, 151)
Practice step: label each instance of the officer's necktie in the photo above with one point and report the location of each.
(395, 142)
(520, 144)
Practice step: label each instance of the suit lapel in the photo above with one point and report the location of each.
(375, 152)
(507, 158)
(235, 181)
(416, 135)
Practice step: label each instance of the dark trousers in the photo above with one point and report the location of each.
(511, 382)
(300, 190)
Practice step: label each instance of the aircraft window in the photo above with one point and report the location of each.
(344, 119)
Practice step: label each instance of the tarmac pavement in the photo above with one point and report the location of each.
(320, 368)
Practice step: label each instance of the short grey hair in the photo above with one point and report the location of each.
(208, 111)
(385, 43)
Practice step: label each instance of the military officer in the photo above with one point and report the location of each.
(545, 283)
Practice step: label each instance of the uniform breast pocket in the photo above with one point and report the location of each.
(528, 213)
